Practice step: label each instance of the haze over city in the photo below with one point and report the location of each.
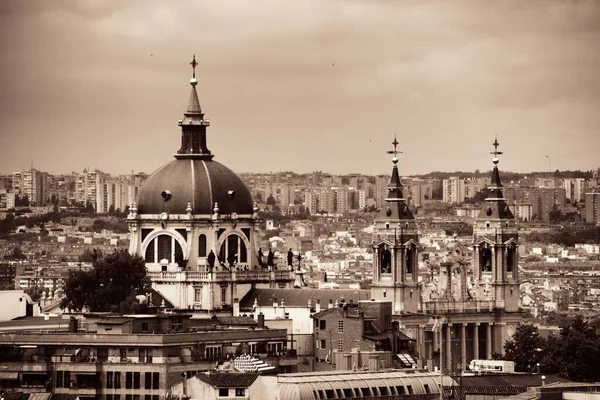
(301, 86)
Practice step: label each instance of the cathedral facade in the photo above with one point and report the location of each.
(470, 309)
(196, 226)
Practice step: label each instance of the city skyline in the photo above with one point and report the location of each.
(301, 87)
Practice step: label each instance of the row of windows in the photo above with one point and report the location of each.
(165, 247)
(132, 380)
(132, 397)
(239, 392)
(350, 393)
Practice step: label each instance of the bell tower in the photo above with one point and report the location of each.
(495, 245)
(395, 263)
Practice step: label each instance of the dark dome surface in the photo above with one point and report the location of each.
(199, 182)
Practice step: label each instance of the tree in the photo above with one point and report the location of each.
(111, 285)
(90, 255)
(525, 348)
(575, 353)
(271, 201)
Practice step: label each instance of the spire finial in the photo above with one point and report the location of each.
(194, 63)
(395, 152)
(496, 153)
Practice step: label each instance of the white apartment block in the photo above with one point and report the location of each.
(575, 189)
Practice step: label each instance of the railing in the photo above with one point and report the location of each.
(164, 276)
(197, 276)
(252, 275)
(449, 306)
(282, 275)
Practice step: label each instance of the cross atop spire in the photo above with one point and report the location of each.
(395, 152)
(194, 63)
(496, 153)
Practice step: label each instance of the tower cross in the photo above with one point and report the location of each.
(395, 152)
(194, 64)
(496, 144)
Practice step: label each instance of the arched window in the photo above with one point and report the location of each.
(511, 258)
(410, 257)
(233, 250)
(202, 246)
(385, 258)
(164, 247)
(485, 258)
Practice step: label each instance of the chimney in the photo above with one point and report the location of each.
(261, 321)
(330, 305)
(318, 306)
(274, 302)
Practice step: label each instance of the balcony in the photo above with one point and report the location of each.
(456, 307)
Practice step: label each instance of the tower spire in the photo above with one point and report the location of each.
(495, 206)
(193, 125)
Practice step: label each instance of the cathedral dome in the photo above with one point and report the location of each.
(193, 177)
(202, 183)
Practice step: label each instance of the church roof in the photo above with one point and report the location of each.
(300, 297)
(193, 177)
(199, 182)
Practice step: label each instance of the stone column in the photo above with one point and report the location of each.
(448, 349)
(488, 341)
(476, 341)
(463, 345)
(422, 354)
(436, 340)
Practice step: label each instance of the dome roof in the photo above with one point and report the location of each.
(200, 182)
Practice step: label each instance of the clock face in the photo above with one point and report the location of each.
(164, 216)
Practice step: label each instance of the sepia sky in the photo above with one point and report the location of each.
(301, 85)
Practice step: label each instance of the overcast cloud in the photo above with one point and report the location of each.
(301, 85)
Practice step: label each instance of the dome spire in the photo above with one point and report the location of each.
(193, 125)
(496, 185)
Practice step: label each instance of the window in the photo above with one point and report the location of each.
(223, 295)
(144, 327)
(109, 380)
(341, 326)
(63, 379)
(129, 380)
(223, 392)
(240, 392)
(427, 390)
(128, 397)
(202, 246)
(340, 344)
(323, 344)
(148, 380)
(147, 397)
(322, 324)
(136, 380)
(145, 355)
(117, 380)
(410, 389)
(197, 295)
(156, 380)
(164, 248)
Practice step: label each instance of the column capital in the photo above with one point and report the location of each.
(477, 323)
(465, 323)
(422, 326)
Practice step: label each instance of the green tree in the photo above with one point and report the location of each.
(525, 348)
(111, 285)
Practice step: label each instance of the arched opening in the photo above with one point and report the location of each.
(202, 245)
(385, 257)
(485, 258)
(410, 259)
(511, 258)
(233, 251)
(164, 247)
